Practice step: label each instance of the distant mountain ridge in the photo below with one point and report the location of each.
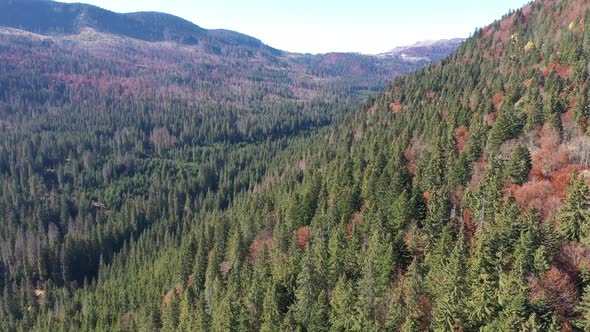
(56, 18)
(100, 32)
(433, 50)
(47, 17)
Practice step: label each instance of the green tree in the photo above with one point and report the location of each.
(519, 165)
(342, 302)
(574, 217)
(584, 310)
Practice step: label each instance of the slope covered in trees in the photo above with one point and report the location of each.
(107, 141)
(456, 200)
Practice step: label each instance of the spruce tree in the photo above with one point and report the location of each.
(574, 217)
(342, 302)
(584, 310)
(520, 164)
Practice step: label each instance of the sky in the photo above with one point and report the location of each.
(321, 26)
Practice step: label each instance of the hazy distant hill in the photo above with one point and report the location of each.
(52, 18)
(432, 50)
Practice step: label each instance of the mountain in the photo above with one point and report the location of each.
(85, 28)
(117, 112)
(158, 186)
(144, 54)
(432, 50)
(55, 18)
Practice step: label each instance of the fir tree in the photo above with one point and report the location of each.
(574, 217)
(519, 166)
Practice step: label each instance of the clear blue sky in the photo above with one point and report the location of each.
(319, 26)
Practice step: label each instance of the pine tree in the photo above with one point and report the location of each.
(342, 315)
(376, 277)
(520, 164)
(532, 324)
(337, 251)
(582, 108)
(224, 316)
(584, 310)
(170, 313)
(306, 292)
(270, 316)
(536, 116)
(437, 218)
(508, 125)
(413, 291)
(574, 217)
(512, 297)
(201, 318)
(448, 289)
(482, 280)
(186, 320)
(320, 320)
(188, 257)
(396, 314)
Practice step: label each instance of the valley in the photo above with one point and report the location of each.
(176, 178)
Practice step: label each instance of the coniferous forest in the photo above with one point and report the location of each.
(148, 185)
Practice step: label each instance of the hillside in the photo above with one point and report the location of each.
(75, 54)
(55, 18)
(112, 134)
(432, 50)
(455, 200)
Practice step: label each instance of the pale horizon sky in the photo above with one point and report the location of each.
(321, 26)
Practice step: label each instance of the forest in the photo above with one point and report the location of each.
(151, 199)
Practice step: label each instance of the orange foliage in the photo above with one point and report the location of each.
(410, 157)
(537, 194)
(558, 288)
(427, 196)
(411, 168)
(497, 100)
(178, 290)
(457, 196)
(545, 191)
(302, 237)
(409, 154)
(462, 136)
(561, 178)
(168, 297)
(546, 161)
(470, 226)
(549, 158)
(487, 32)
(550, 174)
(548, 138)
(263, 241)
(564, 71)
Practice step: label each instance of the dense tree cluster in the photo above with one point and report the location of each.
(457, 200)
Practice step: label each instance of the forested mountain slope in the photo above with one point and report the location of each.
(109, 140)
(456, 200)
